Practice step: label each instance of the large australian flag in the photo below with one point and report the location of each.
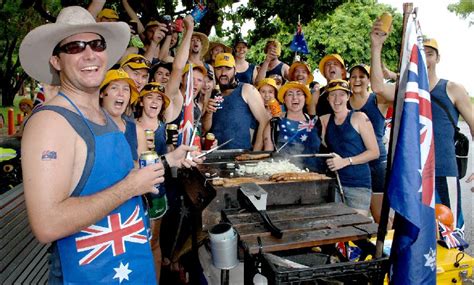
(411, 183)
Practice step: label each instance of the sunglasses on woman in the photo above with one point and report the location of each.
(75, 47)
(152, 87)
(335, 83)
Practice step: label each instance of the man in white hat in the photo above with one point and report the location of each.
(82, 193)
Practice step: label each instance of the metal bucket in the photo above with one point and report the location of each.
(223, 246)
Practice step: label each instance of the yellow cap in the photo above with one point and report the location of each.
(362, 66)
(120, 74)
(328, 57)
(135, 61)
(199, 67)
(155, 87)
(305, 65)
(432, 43)
(268, 81)
(338, 84)
(108, 13)
(294, 84)
(224, 59)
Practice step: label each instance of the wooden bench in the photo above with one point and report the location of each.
(23, 259)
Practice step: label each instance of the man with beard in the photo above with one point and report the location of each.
(231, 113)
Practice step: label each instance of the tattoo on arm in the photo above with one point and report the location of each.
(49, 155)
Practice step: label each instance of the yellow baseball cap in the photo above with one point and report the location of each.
(199, 67)
(338, 84)
(267, 81)
(120, 74)
(294, 84)
(296, 64)
(155, 87)
(224, 59)
(108, 13)
(432, 43)
(328, 57)
(135, 61)
(362, 66)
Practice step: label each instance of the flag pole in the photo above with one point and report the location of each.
(398, 102)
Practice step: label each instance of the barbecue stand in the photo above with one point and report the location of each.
(304, 211)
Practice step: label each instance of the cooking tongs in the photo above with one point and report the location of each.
(258, 198)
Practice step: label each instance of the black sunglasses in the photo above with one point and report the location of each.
(338, 83)
(75, 47)
(138, 60)
(152, 87)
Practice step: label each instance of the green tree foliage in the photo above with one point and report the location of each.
(344, 31)
(16, 21)
(463, 8)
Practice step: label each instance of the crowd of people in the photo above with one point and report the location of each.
(119, 93)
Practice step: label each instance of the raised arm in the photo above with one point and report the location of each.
(133, 16)
(95, 7)
(172, 88)
(378, 37)
(153, 48)
(262, 70)
(53, 163)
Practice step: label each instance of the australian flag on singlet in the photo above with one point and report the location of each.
(411, 183)
(115, 250)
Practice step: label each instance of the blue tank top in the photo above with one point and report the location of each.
(277, 70)
(233, 121)
(346, 141)
(377, 119)
(246, 76)
(131, 136)
(160, 139)
(445, 155)
(303, 138)
(119, 241)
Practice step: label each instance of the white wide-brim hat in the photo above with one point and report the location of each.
(37, 47)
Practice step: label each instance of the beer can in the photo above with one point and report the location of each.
(150, 136)
(209, 141)
(274, 107)
(171, 131)
(219, 99)
(157, 203)
(386, 19)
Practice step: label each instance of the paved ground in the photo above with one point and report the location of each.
(468, 194)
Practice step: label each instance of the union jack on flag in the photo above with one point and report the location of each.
(411, 182)
(98, 238)
(308, 126)
(450, 238)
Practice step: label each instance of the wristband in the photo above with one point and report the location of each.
(350, 160)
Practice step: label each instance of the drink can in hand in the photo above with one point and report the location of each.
(386, 20)
(171, 131)
(157, 203)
